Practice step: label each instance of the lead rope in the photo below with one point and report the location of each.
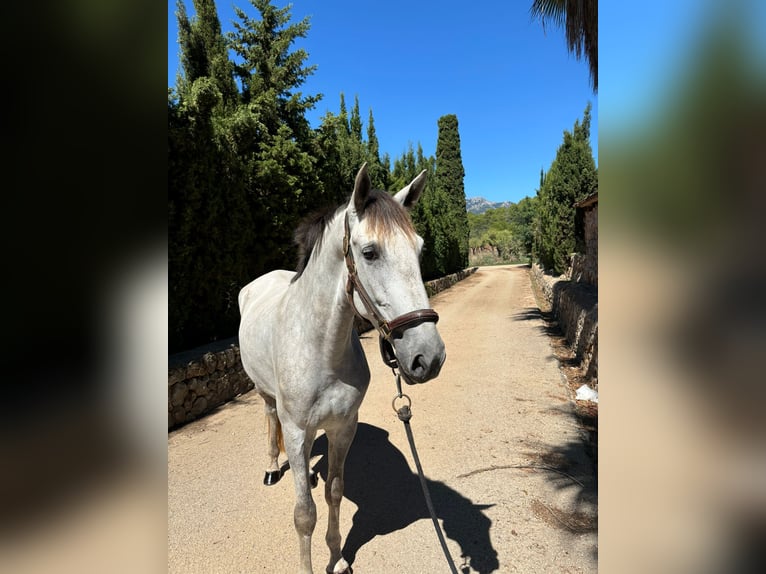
(405, 414)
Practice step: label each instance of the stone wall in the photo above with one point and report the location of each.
(584, 268)
(204, 378)
(438, 285)
(545, 282)
(575, 306)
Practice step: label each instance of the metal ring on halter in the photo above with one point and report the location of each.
(401, 396)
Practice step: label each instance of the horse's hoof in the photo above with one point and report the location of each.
(272, 477)
(313, 479)
(341, 567)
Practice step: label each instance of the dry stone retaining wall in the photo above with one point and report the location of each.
(199, 384)
(438, 285)
(207, 377)
(575, 306)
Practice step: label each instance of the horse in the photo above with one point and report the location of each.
(299, 346)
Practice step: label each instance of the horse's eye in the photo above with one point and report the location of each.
(369, 253)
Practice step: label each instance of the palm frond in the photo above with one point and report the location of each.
(549, 10)
(579, 18)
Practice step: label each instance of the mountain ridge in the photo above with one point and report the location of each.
(479, 205)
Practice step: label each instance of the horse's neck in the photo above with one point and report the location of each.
(320, 296)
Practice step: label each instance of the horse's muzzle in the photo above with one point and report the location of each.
(423, 367)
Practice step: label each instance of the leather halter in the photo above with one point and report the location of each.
(386, 328)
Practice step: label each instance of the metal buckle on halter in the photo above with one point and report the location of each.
(387, 353)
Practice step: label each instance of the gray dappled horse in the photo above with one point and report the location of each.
(299, 346)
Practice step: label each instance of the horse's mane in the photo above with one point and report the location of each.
(380, 209)
(309, 234)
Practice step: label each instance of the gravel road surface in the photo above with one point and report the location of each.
(504, 456)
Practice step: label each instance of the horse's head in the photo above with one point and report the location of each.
(384, 254)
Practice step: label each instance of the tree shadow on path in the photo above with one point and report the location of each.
(389, 497)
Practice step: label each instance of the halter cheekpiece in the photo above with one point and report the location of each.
(386, 328)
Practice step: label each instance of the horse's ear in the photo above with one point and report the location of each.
(408, 195)
(362, 186)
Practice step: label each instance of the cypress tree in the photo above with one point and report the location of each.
(241, 164)
(356, 120)
(537, 245)
(208, 218)
(451, 237)
(386, 163)
(571, 177)
(272, 131)
(404, 170)
(203, 51)
(422, 212)
(344, 114)
(351, 152)
(330, 158)
(270, 72)
(378, 174)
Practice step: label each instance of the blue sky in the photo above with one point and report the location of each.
(513, 86)
(636, 83)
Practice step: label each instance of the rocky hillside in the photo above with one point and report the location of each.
(479, 205)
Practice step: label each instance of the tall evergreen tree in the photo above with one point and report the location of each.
(331, 140)
(270, 72)
(537, 235)
(206, 197)
(421, 212)
(451, 239)
(351, 153)
(241, 165)
(522, 224)
(373, 147)
(356, 120)
(571, 177)
(203, 51)
(344, 114)
(275, 135)
(378, 174)
(386, 162)
(404, 169)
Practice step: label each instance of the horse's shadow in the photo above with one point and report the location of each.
(389, 497)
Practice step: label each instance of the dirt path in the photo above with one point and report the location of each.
(507, 469)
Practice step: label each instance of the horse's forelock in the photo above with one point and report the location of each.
(384, 214)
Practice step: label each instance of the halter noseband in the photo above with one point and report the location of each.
(386, 328)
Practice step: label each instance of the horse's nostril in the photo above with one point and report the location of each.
(418, 364)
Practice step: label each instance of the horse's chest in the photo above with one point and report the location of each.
(339, 400)
(318, 390)
(321, 402)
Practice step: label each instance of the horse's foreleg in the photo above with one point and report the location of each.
(298, 446)
(273, 470)
(339, 441)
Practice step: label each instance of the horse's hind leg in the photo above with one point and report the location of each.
(275, 442)
(338, 441)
